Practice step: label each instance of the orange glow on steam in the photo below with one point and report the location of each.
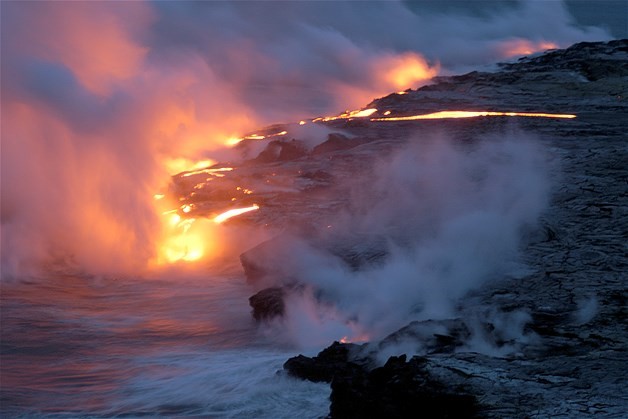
(181, 164)
(519, 47)
(359, 338)
(407, 70)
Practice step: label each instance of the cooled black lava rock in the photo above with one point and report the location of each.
(337, 142)
(360, 252)
(264, 264)
(552, 365)
(399, 389)
(430, 336)
(282, 151)
(268, 303)
(330, 362)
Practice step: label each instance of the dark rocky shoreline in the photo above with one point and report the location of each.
(577, 364)
(570, 356)
(400, 388)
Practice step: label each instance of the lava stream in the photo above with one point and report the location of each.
(472, 114)
(221, 218)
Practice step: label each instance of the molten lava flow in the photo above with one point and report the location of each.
(179, 165)
(182, 242)
(262, 137)
(235, 141)
(221, 218)
(231, 142)
(360, 113)
(472, 114)
(191, 239)
(213, 172)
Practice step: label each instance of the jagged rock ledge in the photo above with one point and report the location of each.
(399, 388)
(573, 360)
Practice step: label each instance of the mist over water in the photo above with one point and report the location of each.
(102, 101)
(102, 346)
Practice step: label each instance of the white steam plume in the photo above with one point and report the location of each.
(452, 219)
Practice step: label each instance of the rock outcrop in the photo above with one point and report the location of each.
(399, 388)
(567, 356)
(573, 360)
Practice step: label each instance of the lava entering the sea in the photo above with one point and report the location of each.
(186, 236)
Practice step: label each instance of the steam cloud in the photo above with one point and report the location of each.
(452, 219)
(96, 97)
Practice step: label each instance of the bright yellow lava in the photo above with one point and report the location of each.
(184, 241)
(360, 113)
(235, 141)
(472, 114)
(221, 218)
(261, 137)
(215, 172)
(182, 164)
(231, 142)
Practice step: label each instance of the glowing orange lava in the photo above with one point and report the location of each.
(235, 141)
(213, 172)
(181, 242)
(221, 218)
(360, 113)
(180, 164)
(472, 114)
(262, 137)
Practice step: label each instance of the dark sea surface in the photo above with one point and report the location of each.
(86, 346)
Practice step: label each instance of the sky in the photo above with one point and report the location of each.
(102, 101)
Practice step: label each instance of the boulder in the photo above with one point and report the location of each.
(280, 150)
(399, 389)
(334, 360)
(268, 303)
(264, 264)
(337, 142)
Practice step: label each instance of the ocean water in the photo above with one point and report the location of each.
(183, 346)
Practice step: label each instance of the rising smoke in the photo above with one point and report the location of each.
(98, 97)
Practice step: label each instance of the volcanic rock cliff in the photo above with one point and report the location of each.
(570, 357)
